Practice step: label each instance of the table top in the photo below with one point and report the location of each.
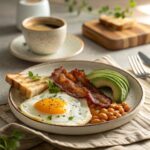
(8, 31)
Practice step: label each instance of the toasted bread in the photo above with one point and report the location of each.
(26, 85)
(117, 23)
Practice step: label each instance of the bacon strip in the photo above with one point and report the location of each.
(75, 84)
(96, 96)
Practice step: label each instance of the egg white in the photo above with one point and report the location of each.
(77, 110)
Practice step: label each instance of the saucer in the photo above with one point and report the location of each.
(71, 47)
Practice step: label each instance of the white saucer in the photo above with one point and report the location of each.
(71, 47)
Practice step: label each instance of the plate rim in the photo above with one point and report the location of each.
(13, 52)
(111, 121)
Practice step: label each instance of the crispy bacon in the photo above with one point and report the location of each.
(77, 85)
(96, 96)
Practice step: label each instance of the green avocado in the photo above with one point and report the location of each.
(118, 79)
(108, 82)
(114, 80)
(112, 72)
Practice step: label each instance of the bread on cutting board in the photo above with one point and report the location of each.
(26, 85)
(117, 23)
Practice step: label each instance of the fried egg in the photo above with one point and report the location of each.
(57, 109)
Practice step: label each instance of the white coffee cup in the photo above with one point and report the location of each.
(44, 35)
(29, 8)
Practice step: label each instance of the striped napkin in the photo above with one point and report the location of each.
(133, 136)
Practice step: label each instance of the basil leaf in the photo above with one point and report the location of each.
(52, 87)
(32, 76)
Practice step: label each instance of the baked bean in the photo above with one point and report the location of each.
(104, 110)
(103, 116)
(123, 104)
(121, 110)
(111, 110)
(96, 112)
(95, 117)
(114, 111)
(101, 121)
(117, 114)
(112, 117)
(126, 108)
(95, 121)
(109, 114)
(113, 105)
(117, 107)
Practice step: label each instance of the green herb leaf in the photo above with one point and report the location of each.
(103, 9)
(49, 117)
(79, 6)
(117, 14)
(132, 3)
(70, 8)
(117, 8)
(70, 118)
(52, 87)
(32, 76)
(11, 142)
(17, 135)
(89, 8)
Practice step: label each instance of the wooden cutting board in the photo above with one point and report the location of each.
(116, 40)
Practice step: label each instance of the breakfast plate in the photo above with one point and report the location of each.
(134, 99)
(71, 47)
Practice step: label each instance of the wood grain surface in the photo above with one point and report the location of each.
(116, 40)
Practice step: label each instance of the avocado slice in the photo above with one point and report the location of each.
(105, 81)
(116, 77)
(108, 82)
(115, 73)
(97, 77)
(97, 82)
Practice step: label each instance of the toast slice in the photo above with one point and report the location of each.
(26, 85)
(117, 23)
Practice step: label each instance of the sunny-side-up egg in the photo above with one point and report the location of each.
(57, 109)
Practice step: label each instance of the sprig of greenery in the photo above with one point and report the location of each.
(33, 76)
(53, 88)
(11, 142)
(71, 118)
(117, 12)
(49, 117)
(73, 5)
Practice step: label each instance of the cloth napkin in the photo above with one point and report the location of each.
(134, 135)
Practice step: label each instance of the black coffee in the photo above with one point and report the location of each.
(42, 27)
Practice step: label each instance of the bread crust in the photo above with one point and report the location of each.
(27, 86)
(117, 23)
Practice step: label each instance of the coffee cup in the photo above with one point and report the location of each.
(44, 35)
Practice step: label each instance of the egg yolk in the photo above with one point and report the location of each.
(51, 106)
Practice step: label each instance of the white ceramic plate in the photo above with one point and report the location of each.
(71, 47)
(134, 99)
